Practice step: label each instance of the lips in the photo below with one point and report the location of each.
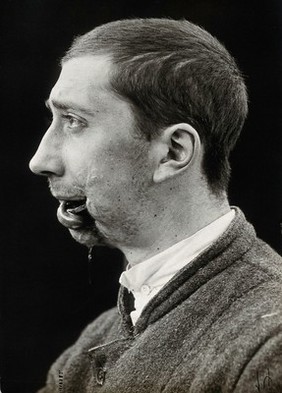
(73, 214)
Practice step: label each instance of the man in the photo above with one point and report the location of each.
(145, 114)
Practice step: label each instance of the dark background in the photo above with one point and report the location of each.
(45, 296)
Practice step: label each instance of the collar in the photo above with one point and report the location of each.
(227, 249)
(156, 271)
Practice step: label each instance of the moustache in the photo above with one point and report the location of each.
(65, 191)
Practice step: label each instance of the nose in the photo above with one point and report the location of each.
(47, 160)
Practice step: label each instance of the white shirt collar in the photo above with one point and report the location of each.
(154, 270)
(145, 279)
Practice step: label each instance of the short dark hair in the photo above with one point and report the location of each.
(173, 72)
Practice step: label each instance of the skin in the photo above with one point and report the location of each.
(143, 195)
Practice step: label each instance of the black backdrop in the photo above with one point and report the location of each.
(45, 296)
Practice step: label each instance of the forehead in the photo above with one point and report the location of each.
(83, 78)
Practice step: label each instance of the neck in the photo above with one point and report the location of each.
(174, 225)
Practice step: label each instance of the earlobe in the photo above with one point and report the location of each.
(182, 147)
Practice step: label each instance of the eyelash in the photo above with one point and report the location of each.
(70, 119)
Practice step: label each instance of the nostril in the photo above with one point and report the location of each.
(46, 173)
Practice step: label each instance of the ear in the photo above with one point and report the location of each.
(178, 147)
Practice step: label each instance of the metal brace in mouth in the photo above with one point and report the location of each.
(75, 210)
(72, 217)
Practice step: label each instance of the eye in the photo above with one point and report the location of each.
(72, 122)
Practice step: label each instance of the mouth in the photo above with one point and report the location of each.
(73, 214)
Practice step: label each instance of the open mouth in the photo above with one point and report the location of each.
(74, 207)
(73, 214)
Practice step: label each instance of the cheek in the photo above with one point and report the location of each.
(105, 185)
(111, 187)
(86, 167)
(109, 172)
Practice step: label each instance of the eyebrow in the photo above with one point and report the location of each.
(67, 106)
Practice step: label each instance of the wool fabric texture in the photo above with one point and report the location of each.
(216, 327)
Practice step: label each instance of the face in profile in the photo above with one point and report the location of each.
(97, 166)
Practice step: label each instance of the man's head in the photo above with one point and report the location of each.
(175, 72)
(145, 113)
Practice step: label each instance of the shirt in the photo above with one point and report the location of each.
(147, 278)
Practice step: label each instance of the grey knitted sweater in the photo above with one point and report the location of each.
(215, 327)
